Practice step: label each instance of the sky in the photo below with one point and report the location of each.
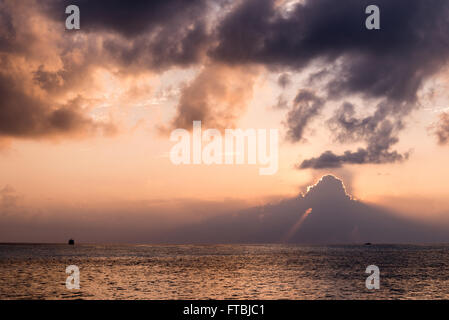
(86, 115)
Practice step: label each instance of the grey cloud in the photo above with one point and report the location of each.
(144, 36)
(24, 115)
(306, 107)
(48, 80)
(284, 80)
(441, 129)
(162, 50)
(28, 108)
(378, 131)
(390, 64)
(282, 103)
(154, 35)
(217, 96)
(362, 156)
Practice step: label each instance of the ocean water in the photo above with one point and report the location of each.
(223, 271)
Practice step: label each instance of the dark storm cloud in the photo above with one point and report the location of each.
(161, 51)
(154, 34)
(23, 115)
(306, 107)
(389, 64)
(130, 18)
(28, 108)
(386, 67)
(142, 36)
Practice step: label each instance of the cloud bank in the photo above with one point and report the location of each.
(47, 71)
(388, 65)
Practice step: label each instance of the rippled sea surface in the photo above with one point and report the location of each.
(223, 271)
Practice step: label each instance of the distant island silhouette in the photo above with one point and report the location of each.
(325, 214)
